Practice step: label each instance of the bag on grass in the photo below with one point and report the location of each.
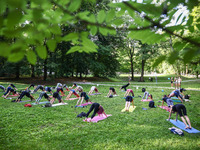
(143, 89)
(176, 131)
(48, 105)
(151, 104)
(82, 114)
(111, 96)
(186, 96)
(27, 105)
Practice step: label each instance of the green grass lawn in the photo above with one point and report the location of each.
(59, 128)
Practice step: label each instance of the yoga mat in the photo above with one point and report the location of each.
(94, 94)
(177, 101)
(131, 109)
(85, 104)
(144, 100)
(174, 97)
(165, 107)
(41, 103)
(97, 118)
(187, 100)
(181, 125)
(16, 95)
(70, 99)
(59, 104)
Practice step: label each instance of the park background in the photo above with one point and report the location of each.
(98, 42)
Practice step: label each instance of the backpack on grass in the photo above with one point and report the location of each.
(151, 104)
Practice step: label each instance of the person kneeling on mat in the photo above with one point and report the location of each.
(129, 100)
(56, 95)
(179, 108)
(97, 109)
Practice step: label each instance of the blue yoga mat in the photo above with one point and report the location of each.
(176, 101)
(174, 97)
(181, 125)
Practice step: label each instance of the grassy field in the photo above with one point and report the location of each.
(59, 128)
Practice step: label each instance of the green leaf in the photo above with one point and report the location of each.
(112, 32)
(13, 18)
(198, 26)
(159, 60)
(4, 49)
(16, 3)
(2, 6)
(173, 57)
(189, 53)
(41, 51)
(92, 18)
(179, 45)
(31, 57)
(118, 22)
(15, 57)
(103, 31)
(110, 15)
(71, 36)
(55, 29)
(93, 30)
(73, 49)
(101, 16)
(74, 5)
(52, 45)
(191, 29)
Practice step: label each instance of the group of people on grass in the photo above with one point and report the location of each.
(98, 109)
(176, 81)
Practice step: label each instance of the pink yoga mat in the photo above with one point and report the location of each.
(165, 107)
(144, 100)
(71, 99)
(85, 104)
(98, 118)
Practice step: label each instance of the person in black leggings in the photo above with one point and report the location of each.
(181, 110)
(125, 86)
(27, 93)
(129, 100)
(97, 109)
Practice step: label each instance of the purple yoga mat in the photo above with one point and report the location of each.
(85, 104)
(165, 107)
(97, 118)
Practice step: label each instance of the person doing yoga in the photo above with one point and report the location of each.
(72, 91)
(181, 110)
(56, 95)
(82, 97)
(129, 100)
(167, 100)
(93, 88)
(125, 86)
(27, 93)
(98, 109)
(9, 90)
(111, 92)
(147, 95)
(43, 93)
(129, 91)
(178, 94)
(3, 88)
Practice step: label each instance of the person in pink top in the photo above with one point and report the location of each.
(129, 91)
(98, 109)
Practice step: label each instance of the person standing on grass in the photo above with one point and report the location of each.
(172, 82)
(129, 100)
(98, 109)
(179, 82)
(180, 110)
(175, 82)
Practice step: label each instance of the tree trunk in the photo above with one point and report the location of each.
(142, 72)
(32, 71)
(45, 70)
(17, 73)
